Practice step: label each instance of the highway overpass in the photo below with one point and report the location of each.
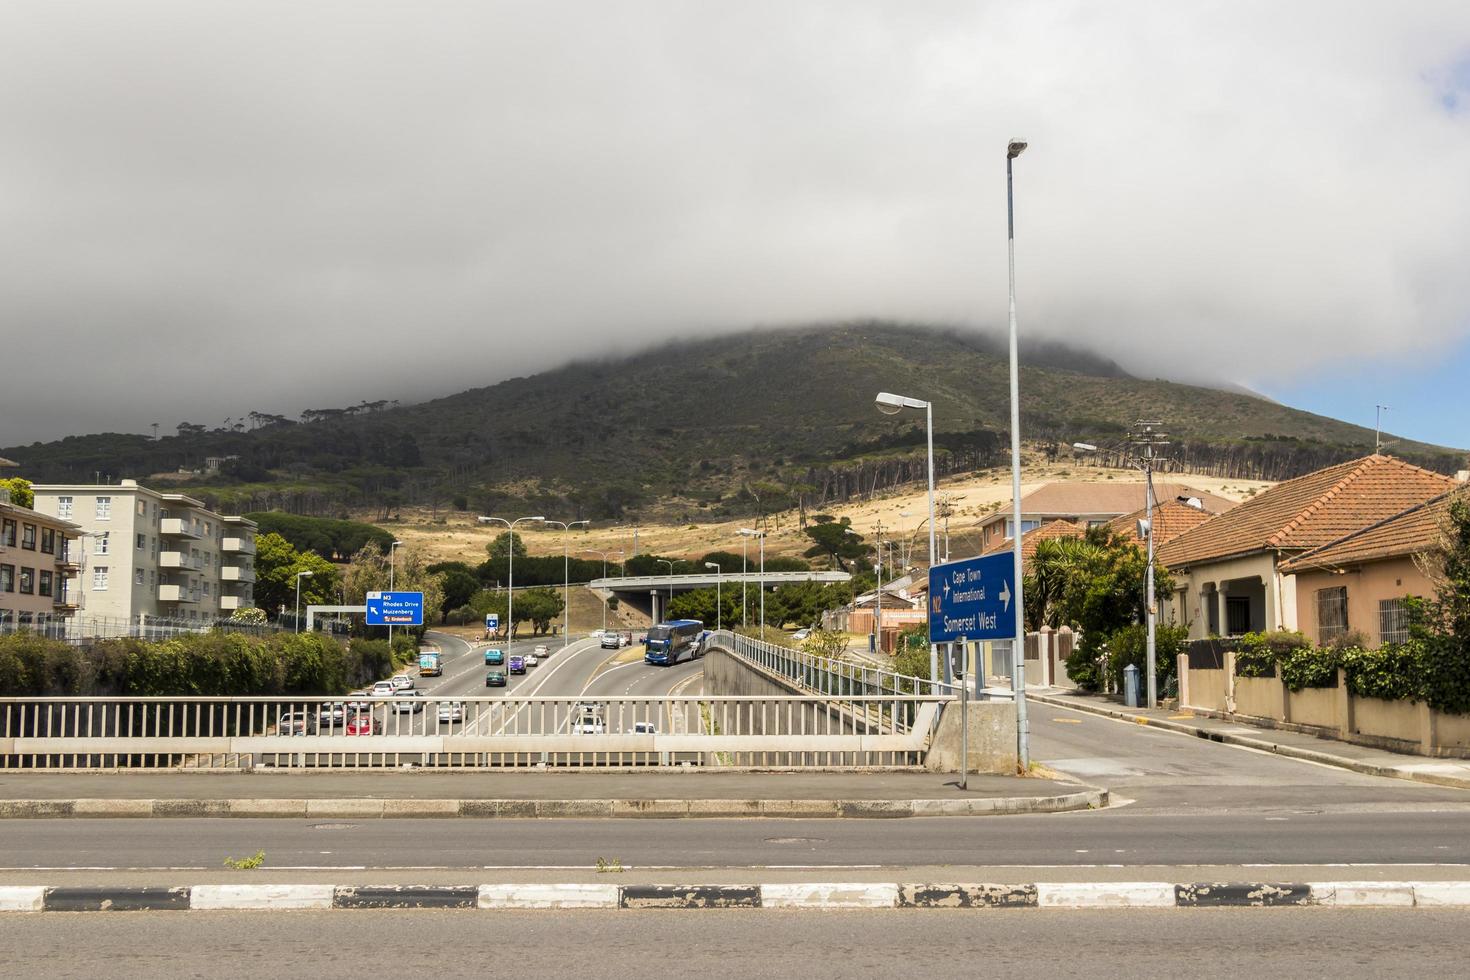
(643, 591)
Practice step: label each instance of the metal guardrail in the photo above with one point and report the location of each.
(463, 732)
(833, 678)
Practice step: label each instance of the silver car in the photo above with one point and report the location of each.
(408, 702)
(451, 711)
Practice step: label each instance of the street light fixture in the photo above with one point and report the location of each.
(891, 404)
(510, 549)
(392, 563)
(1018, 645)
(748, 532)
(566, 588)
(719, 609)
(297, 617)
(604, 554)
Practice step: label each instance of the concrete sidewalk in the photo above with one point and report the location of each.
(533, 794)
(1296, 745)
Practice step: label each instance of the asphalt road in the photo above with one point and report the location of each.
(746, 944)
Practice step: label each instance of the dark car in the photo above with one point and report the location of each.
(495, 678)
(517, 665)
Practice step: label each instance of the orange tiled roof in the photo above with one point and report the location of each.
(1033, 537)
(1310, 511)
(1080, 498)
(1171, 519)
(1411, 532)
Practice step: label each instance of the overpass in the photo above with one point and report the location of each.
(650, 593)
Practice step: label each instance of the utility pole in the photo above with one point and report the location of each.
(1378, 426)
(878, 595)
(1146, 435)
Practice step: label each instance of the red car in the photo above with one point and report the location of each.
(363, 723)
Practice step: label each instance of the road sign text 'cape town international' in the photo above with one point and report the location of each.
(973, 599)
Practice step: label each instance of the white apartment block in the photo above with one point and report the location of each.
(146, 553)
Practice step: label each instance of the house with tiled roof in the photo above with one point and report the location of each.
(1228, 571)
(1033, 537)
(1089, 504)
(1171, 518)
(1358, 582)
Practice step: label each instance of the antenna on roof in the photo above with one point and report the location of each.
(1378, 426)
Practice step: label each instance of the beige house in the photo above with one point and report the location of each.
(146, 553)
(1229, 571)
(1357, 583)
(37, 571)
(1087, 505)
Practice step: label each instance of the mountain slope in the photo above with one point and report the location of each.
(704, 419)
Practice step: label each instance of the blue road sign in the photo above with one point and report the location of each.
(395, 608)
(492, 621)
(973, 598)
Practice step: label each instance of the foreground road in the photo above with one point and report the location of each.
(747, 944)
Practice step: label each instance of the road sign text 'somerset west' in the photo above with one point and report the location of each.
(972, 599)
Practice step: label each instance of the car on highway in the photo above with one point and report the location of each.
(495, 678)
(644, 728)
(532, 660)
(383, 689)
(296, 723)
(610, 640)
(517, 665)
(408, 702)
(494, 657)
(331, 714)
(451, 711)
(587, 719)
(542, 651)
(363, 723)
(360, 701)
(401, 682)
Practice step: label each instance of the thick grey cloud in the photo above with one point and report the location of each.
(209, 208)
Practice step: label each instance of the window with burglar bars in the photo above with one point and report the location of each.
(1393, 621)
(1332, 620)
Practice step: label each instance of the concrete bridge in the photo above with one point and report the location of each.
(649, 594)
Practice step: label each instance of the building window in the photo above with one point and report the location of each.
(48, 541)
(1332, 619)
(26, 618)
(102, 543)
(27, 581)
(1025, 527)
(142, 508)
(7, 533)
(63, 508)
(44, 586)
(99, 578)
(7, 578)
(104, 508)
(1393, 621)
(137, 576)
(28, 537)
(142, 541)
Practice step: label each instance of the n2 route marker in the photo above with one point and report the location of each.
(973, 599)
(395, 608)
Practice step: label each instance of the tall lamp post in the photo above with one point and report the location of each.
(1018, 646)
(566, 586)
(604, 554)
(891, 404)
(753, 533)
(297, 617)
(719, 610)
(665, 561)
(392, 564)
(510, 550)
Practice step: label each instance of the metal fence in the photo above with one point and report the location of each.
(84, 630)
(464, 732)
(840, 678)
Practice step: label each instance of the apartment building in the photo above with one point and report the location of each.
(37, 572)
(147, 553)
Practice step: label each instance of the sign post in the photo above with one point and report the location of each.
(492, 623)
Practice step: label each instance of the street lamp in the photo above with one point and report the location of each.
(604, 554)
(665, 561)
(891, 404)
(719, 610)
(747, 532)
(566, 588)
(510, 549)
(392, 563)
(297, 617)
(1018, 647)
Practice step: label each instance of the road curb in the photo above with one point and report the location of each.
(352, 808)
(1260, 744)
(806, 895)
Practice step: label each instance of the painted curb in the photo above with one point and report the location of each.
(805, 895)
(366, 808)
(1260, 744)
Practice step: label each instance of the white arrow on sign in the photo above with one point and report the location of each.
(1005, 594)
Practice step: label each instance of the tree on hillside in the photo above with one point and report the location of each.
(459, 581)
(540, 607)
(503, 543)
(369, 572)
(834, 539)
(276, 566)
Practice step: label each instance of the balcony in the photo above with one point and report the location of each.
(178, 527)
(174, 559)
(68, 562)
(229, 603)
(236, 573)
(63, 602)
(243, 546)
(176, 593)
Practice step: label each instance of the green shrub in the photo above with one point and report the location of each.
(1257, 654)
(1394, 672)
(1306, 667)
(1129, 645)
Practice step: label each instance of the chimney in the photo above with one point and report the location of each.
(1463, 476)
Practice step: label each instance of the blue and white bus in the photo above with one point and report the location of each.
(669, 643)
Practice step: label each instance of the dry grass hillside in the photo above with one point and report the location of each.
(459, 537)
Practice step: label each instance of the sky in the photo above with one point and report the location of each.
(213, 208)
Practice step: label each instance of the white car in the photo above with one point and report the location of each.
(384, 689)
(401, 682)
(532, 660)
(644, 728)
(801, 634)
(542, 651)
(407, 702)
(451, 711)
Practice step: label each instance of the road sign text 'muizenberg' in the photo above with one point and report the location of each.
(395, 608)
(972, 599)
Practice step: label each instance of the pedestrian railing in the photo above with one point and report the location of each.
(355, 731)
(828, 676)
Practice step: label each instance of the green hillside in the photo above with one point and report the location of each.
(712, 422)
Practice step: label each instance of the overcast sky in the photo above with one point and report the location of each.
(210, 208)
